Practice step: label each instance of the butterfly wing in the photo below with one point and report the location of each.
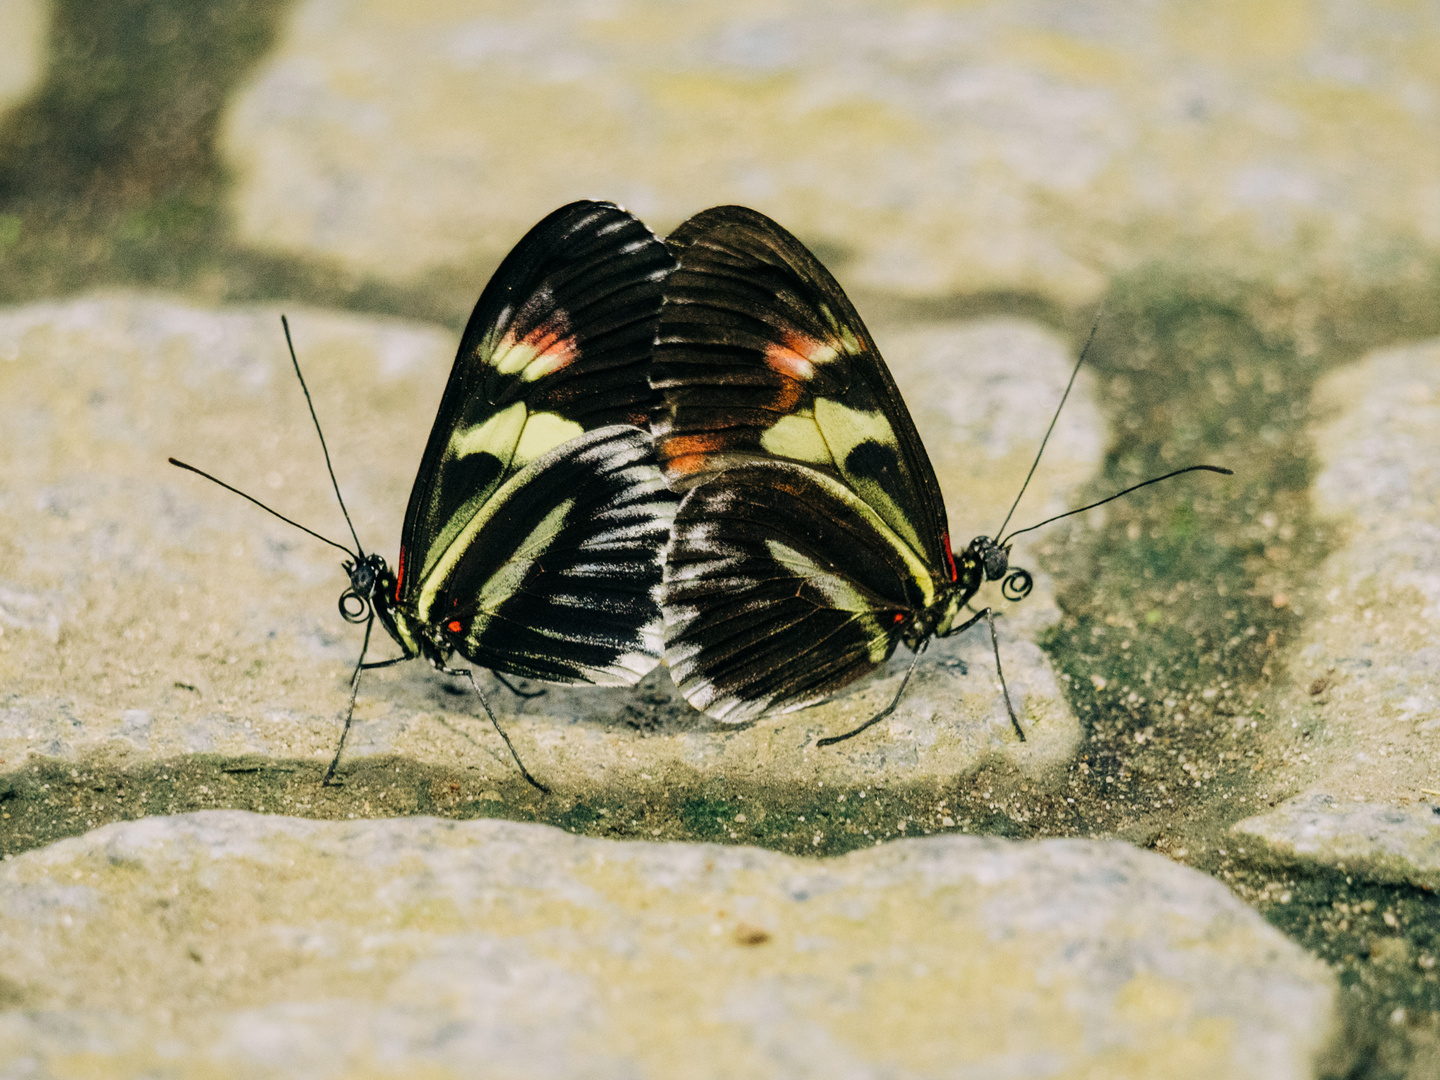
(781, 586)
(559, 344)
(556, 577)
(761, 356)
(812, 533)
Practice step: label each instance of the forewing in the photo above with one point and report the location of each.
(558, 344)
(557, 577)
(760, 355)
(781, 586)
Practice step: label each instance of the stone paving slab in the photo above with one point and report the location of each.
(224, 944)
(1359, 708)
(1356, 729)
(24, 35)
(148, 618)
(1374, 841)
(937, 149)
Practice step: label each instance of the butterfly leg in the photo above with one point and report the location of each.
(466, 673)
(526, 694)
(989, 617)
(833, 739)
(328, 779)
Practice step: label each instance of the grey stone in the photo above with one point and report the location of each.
(1391, 844)
(227, 943)
(944, 149)
(1358, 709)
(148, 617)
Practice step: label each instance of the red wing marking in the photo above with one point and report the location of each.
(949, 556)
(455, 626)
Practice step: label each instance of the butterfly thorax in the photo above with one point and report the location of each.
(983, 560)
(374, 588)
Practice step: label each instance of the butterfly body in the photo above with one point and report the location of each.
(532, 539)
(811, 539)
(534, 535)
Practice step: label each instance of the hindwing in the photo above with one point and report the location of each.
(559, 344)
(761, 356)
(781, 587)
(556, 576)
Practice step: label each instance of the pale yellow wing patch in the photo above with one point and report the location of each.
(544, 352)
(497, 435)
(844, 429)
(543, 432)
(798, 437)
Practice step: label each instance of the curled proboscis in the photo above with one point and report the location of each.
(1018, 585)
(354, 606)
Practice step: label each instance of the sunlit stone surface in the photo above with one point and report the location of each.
(1361, 711)
(235, 944)
(938, 149)
(24, 26)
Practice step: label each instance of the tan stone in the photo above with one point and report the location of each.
(939, 148)
(229, 944)
(1365, 678)
(24, 34)
(1357, 715)
(1390, 844)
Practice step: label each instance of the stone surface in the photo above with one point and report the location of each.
(147, 617)
(230, 944)
(1363, 699)
(940, 149)
(1391, 844)
(1358, 712)
(24, 26)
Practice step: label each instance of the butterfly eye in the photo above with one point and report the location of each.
(354, 606)
(1018, 585)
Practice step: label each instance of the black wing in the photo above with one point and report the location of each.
(782, 586)
(761, 356)
(558, 576)
(558, 344)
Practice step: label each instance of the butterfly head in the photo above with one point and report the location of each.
(370, 581)
(986, 560)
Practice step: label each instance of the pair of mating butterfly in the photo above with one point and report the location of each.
(688, 450)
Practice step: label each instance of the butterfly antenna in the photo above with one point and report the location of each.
(284, 322)
(1036, 463)
(1112, 498)
(215, 480)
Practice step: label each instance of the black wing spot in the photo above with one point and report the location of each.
(463, 477)
(875, 461)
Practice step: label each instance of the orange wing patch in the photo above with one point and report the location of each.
(796, 355)
(543, 351)
(686, 455)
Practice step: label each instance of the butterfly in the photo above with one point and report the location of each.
(533, 537)
(811, 539)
